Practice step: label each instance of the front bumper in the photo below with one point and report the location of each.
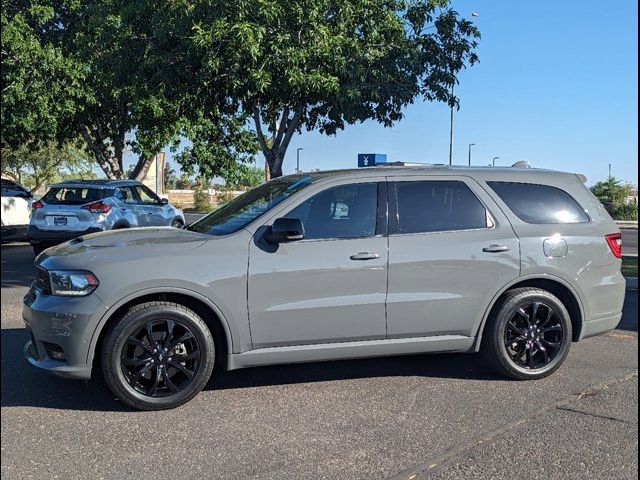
(38, 236)
(67, 323)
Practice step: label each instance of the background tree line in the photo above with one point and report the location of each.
(226, 78)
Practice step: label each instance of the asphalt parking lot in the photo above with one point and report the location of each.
(426, 416)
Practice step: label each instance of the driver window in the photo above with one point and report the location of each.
(345, 211)
(147, 196)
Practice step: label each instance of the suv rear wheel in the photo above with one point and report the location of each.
(159, 356)
(528, 334)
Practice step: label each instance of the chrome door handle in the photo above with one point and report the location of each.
(495, 248)
(365, 256)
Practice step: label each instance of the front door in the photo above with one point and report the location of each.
(451, 250)
(330, 286)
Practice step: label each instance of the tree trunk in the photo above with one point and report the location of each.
(108, 162)
(275, 148)
(142, 168)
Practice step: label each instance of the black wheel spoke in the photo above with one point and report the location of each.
(169, 337)
(183, 358)
(141, 372)
(154, 388)
(546, 342)
(149, 334)
(180, 340)
(548, 318)
(534, 313)
(182, 368)
(139, 343)
(167, 380)
(555, 328)
(136, 362)
(543, 352)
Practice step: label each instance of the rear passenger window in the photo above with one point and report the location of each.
(541, 204)
(437, 206)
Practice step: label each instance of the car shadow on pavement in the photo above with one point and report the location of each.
(454, 366)
(25, 386)
(17, 266)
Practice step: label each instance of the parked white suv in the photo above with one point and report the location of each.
(16, 210)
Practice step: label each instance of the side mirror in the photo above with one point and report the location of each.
(286, 229)
(164, 201)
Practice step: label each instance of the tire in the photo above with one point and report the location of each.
(120, 226)
(177, 223)
(37, 249)
(526, 342)
(128, 342)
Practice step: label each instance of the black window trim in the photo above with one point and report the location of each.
(382, 209)
(393, 208)
(493, 192)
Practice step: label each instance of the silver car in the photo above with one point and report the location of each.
(74, 208)
(515, 263)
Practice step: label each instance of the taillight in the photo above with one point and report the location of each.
(97, 207)
(614, 240)
(36, 205)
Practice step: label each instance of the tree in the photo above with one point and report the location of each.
(613, 194)
(322, 65)
(36, 165)
(41, 87)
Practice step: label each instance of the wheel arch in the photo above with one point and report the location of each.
(557, 286)
(208, 311)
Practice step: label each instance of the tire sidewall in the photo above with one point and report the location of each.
(506, 312)
(114, 344)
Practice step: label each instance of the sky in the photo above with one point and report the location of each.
(556, 85)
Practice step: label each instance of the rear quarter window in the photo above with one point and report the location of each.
(540, 204)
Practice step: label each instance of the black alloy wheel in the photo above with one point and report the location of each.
(160, 358)
(533, 336)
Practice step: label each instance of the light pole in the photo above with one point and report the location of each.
(470, 145)
(493, 161)
(472, 14)
(609, 171)
(298, 159)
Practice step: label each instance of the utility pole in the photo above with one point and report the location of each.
(609, 171)
(470, 145)
(451, 131)
(298, 159)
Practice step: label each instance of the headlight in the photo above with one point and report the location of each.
(72, 283)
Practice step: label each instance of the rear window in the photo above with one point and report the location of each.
(541, 204)
(73, 195)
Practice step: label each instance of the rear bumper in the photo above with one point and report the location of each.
(599, 326)
(38, 236)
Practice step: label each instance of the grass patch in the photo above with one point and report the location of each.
(630, 266)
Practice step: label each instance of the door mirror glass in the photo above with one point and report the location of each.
(286, 229)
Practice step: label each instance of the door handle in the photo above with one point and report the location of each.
(365, 256)
(495, 248)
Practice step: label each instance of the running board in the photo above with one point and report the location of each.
(342, 350)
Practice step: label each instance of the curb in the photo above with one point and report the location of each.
(632, 283)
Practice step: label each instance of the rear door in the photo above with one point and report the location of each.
(331, 286)
(451, 249)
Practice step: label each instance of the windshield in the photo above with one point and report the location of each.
(243, 210)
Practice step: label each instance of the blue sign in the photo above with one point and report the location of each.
(371, 159)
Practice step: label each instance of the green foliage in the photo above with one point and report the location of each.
(322, 65)
(245, 177)
(613, 194)
(41, 86)
(36, 165)
(201, 200)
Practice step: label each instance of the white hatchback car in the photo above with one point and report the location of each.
(16, 210)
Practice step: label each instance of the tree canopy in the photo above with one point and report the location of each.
(232, 77)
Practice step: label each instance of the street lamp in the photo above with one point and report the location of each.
(298, 159)
(472, 14)
(470, 145)
(493, 161)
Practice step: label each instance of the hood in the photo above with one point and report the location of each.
(121, 245)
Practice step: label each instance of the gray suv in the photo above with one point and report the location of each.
(514, 263)
(74, 208)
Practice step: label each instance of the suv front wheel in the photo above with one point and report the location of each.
(528, 334)
(158, 356)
